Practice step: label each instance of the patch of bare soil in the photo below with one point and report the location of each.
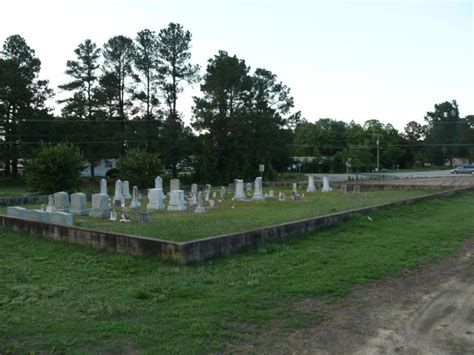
(429, 310)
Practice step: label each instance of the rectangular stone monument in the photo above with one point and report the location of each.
(311, 186)
(326, 187)
(176, 201)
(212, 204)
(100, 206)
(126, 190)
(50, 207)
(239, 191)
(79, 204)
(61, 218)
(194, 189)
(295, 187)
(118, 191)
(103, 187)
(135, 205)
(61, 201)
(155, 199)
(356, 190)
(281, 196)
(258, 193)
(17, 212)
(248, 187)
(37, 216)
(271, 194)
(222, 192)
(200, 204)
(343, 189)
(174, 184)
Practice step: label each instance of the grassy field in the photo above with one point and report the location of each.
(58, 297)
(233, 216)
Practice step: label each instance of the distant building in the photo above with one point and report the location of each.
(101, 168)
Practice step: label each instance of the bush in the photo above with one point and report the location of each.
(54, 168)
(140, 168)
(112, 173)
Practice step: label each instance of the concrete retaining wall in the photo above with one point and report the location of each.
(202, 249)
(23, 200)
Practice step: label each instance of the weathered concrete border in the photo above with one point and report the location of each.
(23, 200)
(201, 249)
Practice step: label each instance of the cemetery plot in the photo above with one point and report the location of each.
(199, 219)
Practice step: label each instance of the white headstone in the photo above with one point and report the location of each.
(258, 193)
(113, 216)
(311, 186)
(155, 197)
(271, 194)
(37, 216)
(100, 206)
(17, 212)
(281, 196)
(135, 205)
(158, 183)
(248, 187)
(79, 204)
(126, 190)
(207, 192)
(62, 218)
(326, 187)
(222, 192)
(50, 207)
(174, 184)
(118, 190)
(295, 187)
(61, 201)
(212, 203)
(176, 201)
(194, 189)
(239, 191)
(103, 187)
(200, 205)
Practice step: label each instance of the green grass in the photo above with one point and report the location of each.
(61, 297)
(183, 226)
(13, 187)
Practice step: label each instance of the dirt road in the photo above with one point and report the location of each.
(429, 310)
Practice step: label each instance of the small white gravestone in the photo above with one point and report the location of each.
(176, 201)
(174, 184)
(248, 187)
(271, 194)
(200, 205)
(194, 189)
(344, 189)
(113, 216)
(212, 203)
(214, 194)
(326, 187)
(239, 191)
(158, 183)
(311, 186)
(79, 204)
(61, 201)
(122, 202)
(258, 193)
(61, 218)
(37, 216)
(100, 206)
(155, 197)
(17, 212)
(222, 192)
(103, 187)
(126, 190)
(356, 190)
(295, 187)
(281, 196)
(207, 192)
(118, 191)
(135, 205)
(50, 207)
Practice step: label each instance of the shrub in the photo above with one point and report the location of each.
(140, 168)
(112, 173)
(54, 168)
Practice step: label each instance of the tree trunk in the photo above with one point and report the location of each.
(92, 164)
(15, 167)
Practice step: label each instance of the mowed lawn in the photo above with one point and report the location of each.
(230, 216)
(59, 297)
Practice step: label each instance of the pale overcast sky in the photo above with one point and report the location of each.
(347, 60)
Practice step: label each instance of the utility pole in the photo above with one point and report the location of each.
(378, 153)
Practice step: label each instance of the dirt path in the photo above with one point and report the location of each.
(426, 311)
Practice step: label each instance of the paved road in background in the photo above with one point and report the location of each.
(403, 175)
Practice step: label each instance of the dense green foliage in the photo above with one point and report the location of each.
(54, 168)
(139, 167)
(58, 297)
(125, 95)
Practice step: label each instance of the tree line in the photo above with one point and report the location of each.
(124, 95)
